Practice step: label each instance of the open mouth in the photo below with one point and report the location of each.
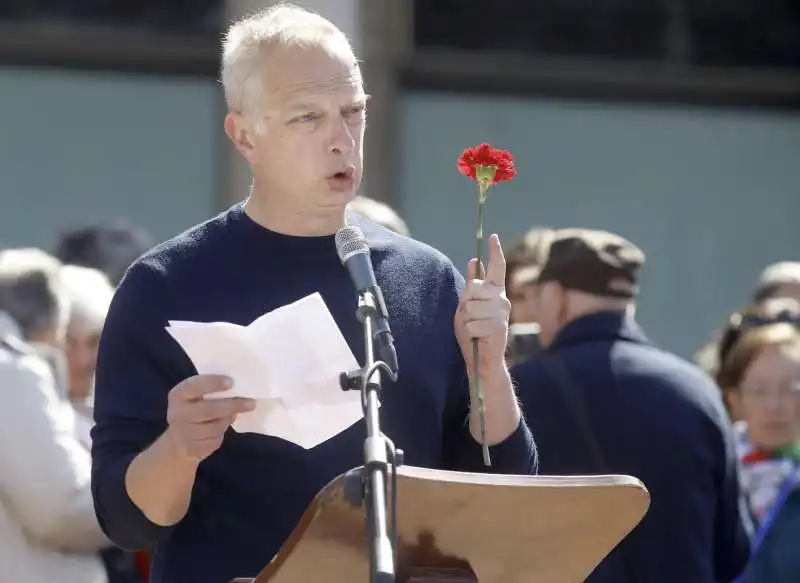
(344, 174)
(342, 180)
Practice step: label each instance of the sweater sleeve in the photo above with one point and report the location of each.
(132, 382)
(515, 455)
(45, 481)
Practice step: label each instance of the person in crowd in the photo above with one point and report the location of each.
(110, 248)
(760, 379)
(766, 311)
(169, 471)
(380, 213)
(48, 528)
(778, 280)
(523, 261)
(604, 399)
(90, 293)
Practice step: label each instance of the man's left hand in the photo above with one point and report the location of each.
(483, 313)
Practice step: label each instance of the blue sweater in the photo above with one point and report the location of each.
(250, 494)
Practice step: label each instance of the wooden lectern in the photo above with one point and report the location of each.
(463, 528)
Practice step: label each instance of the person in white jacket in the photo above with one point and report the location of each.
(48, 527)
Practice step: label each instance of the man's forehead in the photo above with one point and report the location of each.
(307, 69)
(313, 95)
(346, 83)
(310, 93)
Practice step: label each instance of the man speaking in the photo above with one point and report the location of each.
(169, 473)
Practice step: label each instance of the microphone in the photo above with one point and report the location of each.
(353, 250)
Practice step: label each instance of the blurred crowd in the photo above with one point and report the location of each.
(52, 309)
(567, 287)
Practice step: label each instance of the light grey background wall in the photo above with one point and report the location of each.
(85, 146)
(711, 196)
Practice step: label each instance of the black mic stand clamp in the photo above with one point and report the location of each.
(368, 485)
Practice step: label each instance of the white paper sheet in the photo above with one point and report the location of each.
(288, 360)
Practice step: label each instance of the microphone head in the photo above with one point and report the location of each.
(350, 241)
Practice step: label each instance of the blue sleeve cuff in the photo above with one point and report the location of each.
(515, 455)
(121, 520)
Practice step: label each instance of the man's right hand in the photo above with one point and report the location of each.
(197, 425)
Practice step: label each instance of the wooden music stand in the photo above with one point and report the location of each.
(461, 528)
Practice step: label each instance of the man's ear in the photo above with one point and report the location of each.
(240, 132)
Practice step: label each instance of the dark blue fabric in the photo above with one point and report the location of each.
(658, 418)
(250, 494)
(786, 489)
(775, 558)
(120, 566)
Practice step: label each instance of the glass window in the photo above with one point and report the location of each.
(177, 16)
(736, 33)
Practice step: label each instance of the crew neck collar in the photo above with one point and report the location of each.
(264, 236)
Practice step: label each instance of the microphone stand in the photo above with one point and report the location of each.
(368, 485)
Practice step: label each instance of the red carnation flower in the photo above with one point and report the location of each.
(486, 166)
(485, 163)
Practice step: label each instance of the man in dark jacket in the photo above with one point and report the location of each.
(603, 399)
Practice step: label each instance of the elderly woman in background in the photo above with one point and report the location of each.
(760, 378)
(89, 292)
(48, 528)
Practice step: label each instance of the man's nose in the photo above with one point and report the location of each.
(342, 141)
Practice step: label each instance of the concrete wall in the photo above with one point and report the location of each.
(91, 146)
(710, 195)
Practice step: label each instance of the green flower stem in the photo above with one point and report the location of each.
(476, 379)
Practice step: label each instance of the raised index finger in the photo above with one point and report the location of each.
(496, 271)
(198, 386)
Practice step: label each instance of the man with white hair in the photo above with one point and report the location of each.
(169, 473)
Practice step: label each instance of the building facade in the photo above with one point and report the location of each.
(641, 126)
